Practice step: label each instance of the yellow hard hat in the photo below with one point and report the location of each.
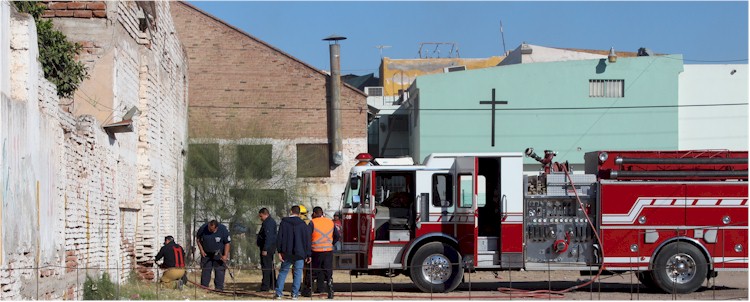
(302, 210)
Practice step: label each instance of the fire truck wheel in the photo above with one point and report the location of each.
(647, 279)
(680, 268)
(436, 268)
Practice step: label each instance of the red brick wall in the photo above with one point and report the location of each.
(75, 9)
(241, 87)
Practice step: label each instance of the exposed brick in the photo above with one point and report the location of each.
(86, 44)
(58, 5)
(76, 5)
(83, 14)
(100, 13)
(64, 13)
(98, 5)
(48, 14)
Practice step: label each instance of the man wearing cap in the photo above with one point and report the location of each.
(174, 261)
(324, 236)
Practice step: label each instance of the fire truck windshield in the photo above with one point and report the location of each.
(351, 196)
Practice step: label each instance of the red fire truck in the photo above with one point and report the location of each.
(674, 217)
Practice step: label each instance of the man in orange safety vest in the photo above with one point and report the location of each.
(324, 236)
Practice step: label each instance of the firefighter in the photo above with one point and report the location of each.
(213, 242)
(324, 236)
(174, 261)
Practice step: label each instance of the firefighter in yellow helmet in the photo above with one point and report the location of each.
(306, 289)
(303, 214)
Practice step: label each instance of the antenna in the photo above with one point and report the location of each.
(380, 48)
(502, 34)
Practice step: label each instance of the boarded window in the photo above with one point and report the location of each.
(254, 161)
(254, 199)
(312, 160)
(606, 88)
(203, 161)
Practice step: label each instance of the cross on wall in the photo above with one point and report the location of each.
(493, 102)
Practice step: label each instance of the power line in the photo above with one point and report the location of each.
(476, 109)
(698, 60)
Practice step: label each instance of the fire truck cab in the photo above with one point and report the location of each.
(462, 212)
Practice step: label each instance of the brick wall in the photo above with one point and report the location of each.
(75, 9)
(77, 201)
(254, 87)
(245, 91)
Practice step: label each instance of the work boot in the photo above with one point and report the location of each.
(330, 289)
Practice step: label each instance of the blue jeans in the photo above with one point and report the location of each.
(296, 277)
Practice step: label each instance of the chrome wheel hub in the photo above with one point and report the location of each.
(436, 269)
(681, 268)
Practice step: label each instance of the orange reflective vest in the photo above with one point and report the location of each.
(322, 237)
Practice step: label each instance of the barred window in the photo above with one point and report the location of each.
(606, 88)
(312, 160)
(203, 161)
(254, 161)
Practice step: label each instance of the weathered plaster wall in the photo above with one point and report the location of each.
(76, 200)
(398, 74)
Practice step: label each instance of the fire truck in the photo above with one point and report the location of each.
(675, 218)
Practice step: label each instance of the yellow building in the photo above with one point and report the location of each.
(398, 74)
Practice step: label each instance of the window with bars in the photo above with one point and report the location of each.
(313, 161)
(254, 161)
(606, 88)
(203, 161)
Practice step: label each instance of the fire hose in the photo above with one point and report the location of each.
(511, 292)
(520, 293)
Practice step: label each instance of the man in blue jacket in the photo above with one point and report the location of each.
(294, 246)
(266, 242)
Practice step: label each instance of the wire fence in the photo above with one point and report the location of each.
(243, 283)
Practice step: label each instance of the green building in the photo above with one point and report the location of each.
(571, 107)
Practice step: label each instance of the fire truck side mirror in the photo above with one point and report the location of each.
(354, 182)
(355, 201)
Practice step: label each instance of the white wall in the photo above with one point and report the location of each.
(547, 54)
(713, 127)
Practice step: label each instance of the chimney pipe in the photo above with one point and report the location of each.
(334, 91)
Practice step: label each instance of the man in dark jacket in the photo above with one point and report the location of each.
(213, 242)
(267, 244)
(174, 261)
(294, 246)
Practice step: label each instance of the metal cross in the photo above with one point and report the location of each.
(493, 102)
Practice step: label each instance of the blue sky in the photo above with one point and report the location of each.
(704, 32)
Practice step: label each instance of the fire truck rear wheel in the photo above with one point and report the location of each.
(436, 268)
(680, 268)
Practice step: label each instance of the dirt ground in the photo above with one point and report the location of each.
(483, 286)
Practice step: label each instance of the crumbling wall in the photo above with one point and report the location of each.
(78, 200)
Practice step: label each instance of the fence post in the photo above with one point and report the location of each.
(390, 276)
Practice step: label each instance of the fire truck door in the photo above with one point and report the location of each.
(365, 218)
(465, 172)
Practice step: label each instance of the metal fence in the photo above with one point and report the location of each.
(241, 283)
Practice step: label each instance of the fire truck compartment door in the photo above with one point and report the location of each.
(465, 171)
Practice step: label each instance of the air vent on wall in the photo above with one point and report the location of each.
(374, 91)
(454, 68)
